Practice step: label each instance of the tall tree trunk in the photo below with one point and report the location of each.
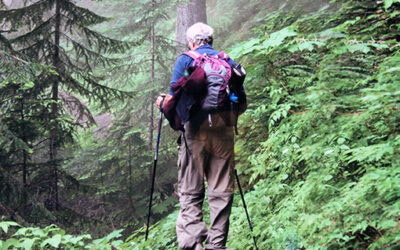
(151, 107)
(151, 99)
(54, 200)
(130, 177)
(24, 155)
(188, 14)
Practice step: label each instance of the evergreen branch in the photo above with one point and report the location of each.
(91, 88)
(19, 17)
(3, 55)
(94, 39)
(130, 68)
(77, 108)
(80, 51)
(80, 16)
(73, 67)
(102, 92)
(89, 55)
(41, 30)
(19, 59)
(65, 58)
(148, 15)
(33, 50)
(160, 61)
(72, 84)
(4, 43)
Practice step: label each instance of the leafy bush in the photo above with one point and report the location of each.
(52, 237)
(319, 144)
(320, 141)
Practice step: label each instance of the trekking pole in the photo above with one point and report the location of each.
(245, 208)
(154, 174)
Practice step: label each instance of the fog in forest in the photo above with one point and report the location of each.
(316, 150)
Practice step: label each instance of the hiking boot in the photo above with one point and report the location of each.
(198, 246)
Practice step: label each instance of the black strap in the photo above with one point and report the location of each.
(186, 145)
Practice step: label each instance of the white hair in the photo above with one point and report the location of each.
(200, 33)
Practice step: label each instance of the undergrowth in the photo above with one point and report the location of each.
(319, 145)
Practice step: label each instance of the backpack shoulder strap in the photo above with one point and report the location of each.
(223, 55)
(193, 54)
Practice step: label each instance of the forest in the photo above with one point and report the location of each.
(317, 150)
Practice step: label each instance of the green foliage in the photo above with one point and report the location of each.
(38, 100)
(389, 3)
(320, 141)
(161, 236)
(331, 111)
(53, 237)
(318, 150)
(116, 161)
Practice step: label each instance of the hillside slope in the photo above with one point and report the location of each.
(319, 147)
(320, 140)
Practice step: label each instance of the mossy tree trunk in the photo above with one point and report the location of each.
(188, 14)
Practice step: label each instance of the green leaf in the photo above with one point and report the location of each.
(244, 48)
(38, 232)
(13, 243)
(54, 241)
(4, 227)
(310, 45)
(361, 47)
(27, 243)
(278, 37)
(306, 46)
(5, 224)
(28, 85)
(387, 224)
(389, 3)
(344, 147)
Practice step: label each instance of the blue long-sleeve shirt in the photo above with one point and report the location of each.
(185, 61)
(185, 102)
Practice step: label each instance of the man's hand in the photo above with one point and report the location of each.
(162, 100)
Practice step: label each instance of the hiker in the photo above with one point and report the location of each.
(206, 152)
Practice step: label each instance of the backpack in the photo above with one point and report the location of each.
(188, 91)
(211, 84)
(218, 73)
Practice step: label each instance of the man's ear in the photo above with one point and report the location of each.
(191, 44)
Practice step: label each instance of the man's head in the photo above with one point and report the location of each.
(199, 34)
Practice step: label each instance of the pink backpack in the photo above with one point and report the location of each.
(218, 72)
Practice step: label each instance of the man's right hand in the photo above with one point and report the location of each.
(163, 99)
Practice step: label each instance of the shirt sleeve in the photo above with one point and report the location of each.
(181, 63)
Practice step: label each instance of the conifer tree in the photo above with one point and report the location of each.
(149, 16)
(57, 33)
(20, 115)
(122, 154)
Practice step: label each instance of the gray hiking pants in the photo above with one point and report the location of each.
(210, 156)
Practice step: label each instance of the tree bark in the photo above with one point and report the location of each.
(24, 156)
(151, 99)
(130, 177)
(188, 14)
(54, 200)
